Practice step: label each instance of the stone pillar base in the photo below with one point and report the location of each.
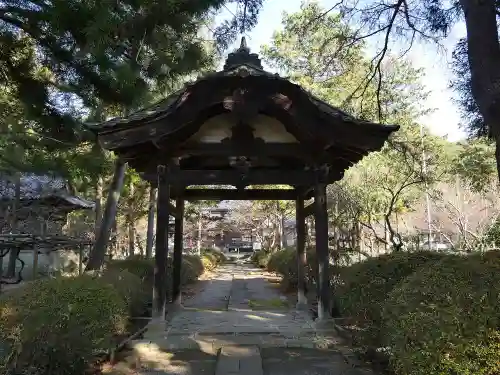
(322, 314)
(158, 315)
(175, 306)
(178, 300)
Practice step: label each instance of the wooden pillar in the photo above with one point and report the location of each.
(300, 225)
(322, 253)
(178, 245)
(43, 233)
(161, 248)
(98, 252)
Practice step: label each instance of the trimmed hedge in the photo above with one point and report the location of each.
(192, 267)
(130, 288)
(58, 326)
(438, 314)
(284, 262)
(261, 258)
(364, 287)
(209, 263)
(215, 256)
(445, 318)
(141, 267)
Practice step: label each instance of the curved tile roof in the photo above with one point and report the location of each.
(40, 187)
(239, 63)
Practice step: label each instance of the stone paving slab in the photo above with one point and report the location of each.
(151, 361)
(239, 360)
(248, 285)
(218, 322)
(212, 343)
(238, 321)
(214, 293)
(276, 361)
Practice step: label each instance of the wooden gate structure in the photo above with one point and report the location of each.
(242, 127)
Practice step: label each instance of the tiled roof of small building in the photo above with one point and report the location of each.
(40, 187)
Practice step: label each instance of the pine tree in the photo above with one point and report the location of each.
(62, 56)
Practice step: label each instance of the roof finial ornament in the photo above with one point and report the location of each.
(242, 56)
(243, 45)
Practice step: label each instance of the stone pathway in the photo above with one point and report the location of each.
(239, 323)
(213, 294)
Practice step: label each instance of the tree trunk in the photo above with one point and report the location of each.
(198, 243)
(114, 238)
(274, 237)
(98, 204)
(130, 221)
(138, 242)
(484, 62)
(151, 222)
(386, 236)
(98, 252)
(14, 224)
(282, 232)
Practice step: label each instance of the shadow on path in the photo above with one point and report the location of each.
(239, 323)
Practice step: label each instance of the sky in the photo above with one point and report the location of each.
(435, 62)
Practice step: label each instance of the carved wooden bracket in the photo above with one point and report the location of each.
(246, 104)
(321, 172)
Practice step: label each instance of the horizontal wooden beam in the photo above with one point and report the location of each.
(253, 149)
(238, 178)
(237, 194)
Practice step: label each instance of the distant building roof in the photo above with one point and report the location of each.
(54, 190)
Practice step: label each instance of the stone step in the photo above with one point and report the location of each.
(212, 343)
(242, 360)
(152, 361)
(239, 360)
(153, 335)
(299, 361)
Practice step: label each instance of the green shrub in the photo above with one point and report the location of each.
(284, 263)
(255, 257)
(364, 286)
(192, 267)
(445, 318)
(217, 255)
(210, 259)
(131, 288)
(141, 267)
(57, 326)
(209, 263)
(311, 275)
(261, 258)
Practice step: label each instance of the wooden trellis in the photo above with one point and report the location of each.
(36, 242)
